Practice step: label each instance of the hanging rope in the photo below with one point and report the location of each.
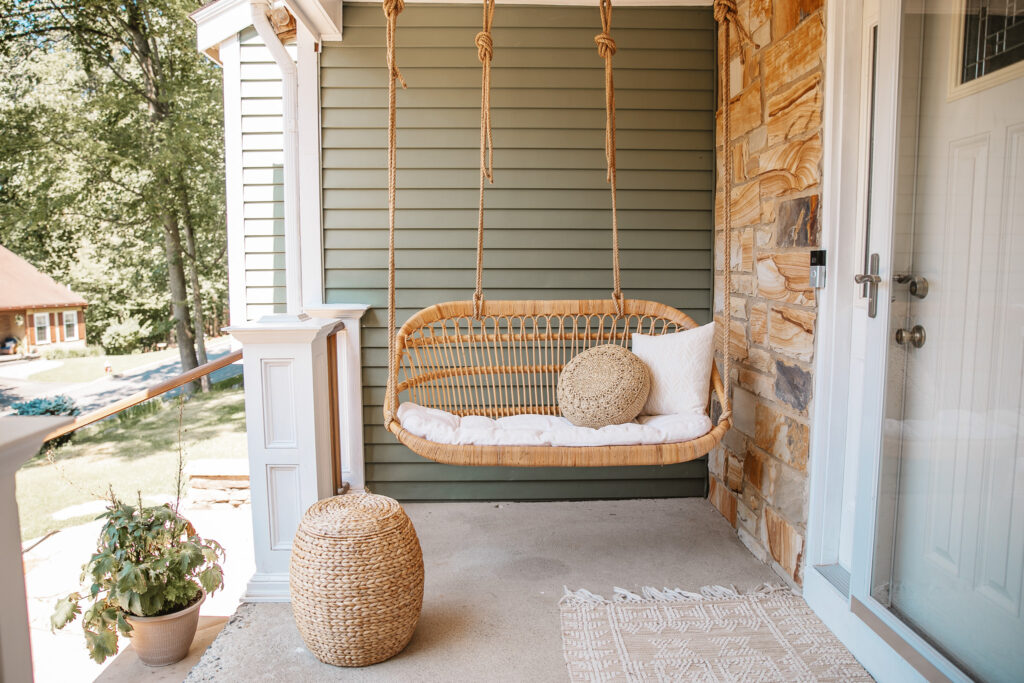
(606, 49)
(485, 52)
(726, 16)
(392, 8)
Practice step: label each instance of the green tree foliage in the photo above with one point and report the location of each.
(149, 561)
(111, 159)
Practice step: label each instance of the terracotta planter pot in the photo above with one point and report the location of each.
(164, 640)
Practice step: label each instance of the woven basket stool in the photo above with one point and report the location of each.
(356, 579)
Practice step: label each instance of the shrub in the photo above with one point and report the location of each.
(60, 404)
(74, 352)
(124, 337)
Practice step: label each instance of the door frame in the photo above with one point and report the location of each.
(886, 646)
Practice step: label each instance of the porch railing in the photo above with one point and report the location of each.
(146, 394)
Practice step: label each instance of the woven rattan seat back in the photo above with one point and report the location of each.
(507, 361)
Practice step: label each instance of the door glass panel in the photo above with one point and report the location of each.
(993, 37)
(949, 551)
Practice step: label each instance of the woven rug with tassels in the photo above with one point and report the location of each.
(718, 634)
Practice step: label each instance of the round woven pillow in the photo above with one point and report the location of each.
(605, 385)
(356, 579)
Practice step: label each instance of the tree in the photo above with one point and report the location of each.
(124, 169)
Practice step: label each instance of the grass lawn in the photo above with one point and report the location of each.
(136, 454)
(92, 367)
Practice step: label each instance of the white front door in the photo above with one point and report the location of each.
(949, 543)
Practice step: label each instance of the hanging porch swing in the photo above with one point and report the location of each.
(502, 358)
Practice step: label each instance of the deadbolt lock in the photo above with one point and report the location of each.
(918, 285)
(915, 336)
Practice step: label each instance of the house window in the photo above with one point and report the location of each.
(42, 325)
(70, 325)
(993, 37)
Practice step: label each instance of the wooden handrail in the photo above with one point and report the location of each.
(145, 394)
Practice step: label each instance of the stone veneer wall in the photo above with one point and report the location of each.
(759, 473)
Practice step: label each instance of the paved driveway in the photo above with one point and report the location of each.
(106, 390)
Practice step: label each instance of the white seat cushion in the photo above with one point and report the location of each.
(680, 365)
(547, 430)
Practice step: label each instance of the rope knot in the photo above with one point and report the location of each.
(605, 45)
(392, 8)
(725, 10)
(484, 46)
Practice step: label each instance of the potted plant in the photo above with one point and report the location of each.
(147, 579)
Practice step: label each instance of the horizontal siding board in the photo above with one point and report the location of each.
(548, 117)
(435, 16)
(561, 179)
(380, 470)
(539, 159)
(504, 278)
(263, 226)
(515, 198)
(524, 98)
(690, 241)
(518, 258)
(546, 38)
(548, 221)
(520, 77)
(518, 138)
(685, 300)
(538, 490)
(568, 58)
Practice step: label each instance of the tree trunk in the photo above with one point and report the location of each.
(179, 296)
(193, 270)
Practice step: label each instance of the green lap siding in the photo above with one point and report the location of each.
(548, 221)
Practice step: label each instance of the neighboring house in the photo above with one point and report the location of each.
(36, 311)
(875, 458)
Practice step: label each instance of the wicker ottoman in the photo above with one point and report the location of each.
(356, 579)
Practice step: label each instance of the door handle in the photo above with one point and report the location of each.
(915, 336)
(870, 280)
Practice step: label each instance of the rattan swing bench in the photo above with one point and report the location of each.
(503, 358)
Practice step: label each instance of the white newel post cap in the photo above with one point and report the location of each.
(283, 328)
(336, 311)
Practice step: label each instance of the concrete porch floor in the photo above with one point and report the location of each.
(494, 575)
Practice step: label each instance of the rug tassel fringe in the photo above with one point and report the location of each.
(652, 594)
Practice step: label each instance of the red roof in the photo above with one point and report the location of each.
(22, 286)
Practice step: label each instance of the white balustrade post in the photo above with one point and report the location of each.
(20, 439)
(350, 388)
(287, 413)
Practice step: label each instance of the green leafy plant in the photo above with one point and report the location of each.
(149, 562)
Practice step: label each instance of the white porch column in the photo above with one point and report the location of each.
(20, 439)
(350, 388)
(288, 431)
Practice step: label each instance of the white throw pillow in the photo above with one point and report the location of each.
(680, 365)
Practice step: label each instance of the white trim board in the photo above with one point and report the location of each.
(310, 170)
(231, 58)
